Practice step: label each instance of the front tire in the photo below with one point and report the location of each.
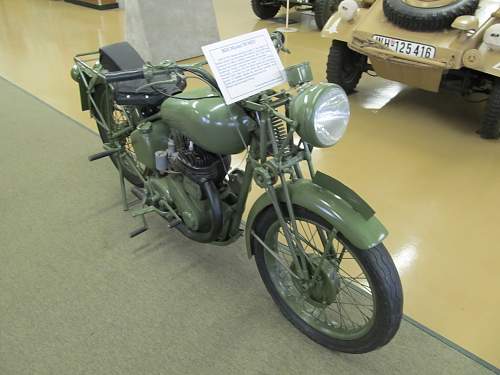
(323, 9)
(264, 11)
(345, 66)
(382, 285)
(490, 128)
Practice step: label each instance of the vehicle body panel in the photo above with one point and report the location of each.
(362, 232)
(451, 46)
(208, 121)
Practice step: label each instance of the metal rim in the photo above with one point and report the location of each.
(121, 118)
(351, 312)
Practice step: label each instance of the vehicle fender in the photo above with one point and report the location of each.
(490, 61)
(338, 29)
(334, 202)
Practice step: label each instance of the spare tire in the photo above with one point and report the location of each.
(426, 17)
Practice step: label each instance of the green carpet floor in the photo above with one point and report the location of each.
(77, 296)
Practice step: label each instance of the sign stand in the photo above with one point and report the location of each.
(287, 29)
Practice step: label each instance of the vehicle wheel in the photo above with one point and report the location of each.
(265, 11)
(120, 117)
(345, 66)
(491, 124)
(427, 17)
(355, 305)
(323, 9)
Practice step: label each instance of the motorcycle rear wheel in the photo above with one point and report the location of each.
(119, 117)
(365, 310)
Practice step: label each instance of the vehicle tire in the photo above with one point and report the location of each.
(382, 278)
(110, 111)
(264, 11)
(345, 66)
(425, 18)
(490, 128)
(323, 9)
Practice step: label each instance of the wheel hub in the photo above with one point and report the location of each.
(324, 289)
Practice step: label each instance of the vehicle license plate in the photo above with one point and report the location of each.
(407, 48)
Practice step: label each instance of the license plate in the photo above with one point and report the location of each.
(407, 48)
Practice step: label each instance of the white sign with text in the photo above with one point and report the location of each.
(245, 65)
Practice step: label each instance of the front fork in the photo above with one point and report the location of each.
(266, 174)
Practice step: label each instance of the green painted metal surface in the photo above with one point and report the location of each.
(346, 193)
(361, 232)
(194, 212)
(299, 74)
(149, 138)
(208, 121)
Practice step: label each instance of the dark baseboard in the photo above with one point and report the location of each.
(93, 6)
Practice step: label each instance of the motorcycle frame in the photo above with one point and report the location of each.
(266, 169)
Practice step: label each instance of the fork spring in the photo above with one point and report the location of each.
(280, 134)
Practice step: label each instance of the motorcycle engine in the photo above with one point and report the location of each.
(198, 164)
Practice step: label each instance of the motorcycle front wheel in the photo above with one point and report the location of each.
(355, 303)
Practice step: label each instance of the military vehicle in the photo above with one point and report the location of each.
(429, 44)
(322, 9)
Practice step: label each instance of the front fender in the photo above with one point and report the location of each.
(332, 201)
(337, 29)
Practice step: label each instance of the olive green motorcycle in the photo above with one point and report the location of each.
(317, 244)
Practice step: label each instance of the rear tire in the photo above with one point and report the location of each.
(345, 66)
(490, 128)
(107, 109)
(264, 11)
(384, 282)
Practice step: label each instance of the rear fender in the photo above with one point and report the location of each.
(334, 202)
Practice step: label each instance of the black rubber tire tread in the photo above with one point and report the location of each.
(323, 9)
(264, 11)
(490, 124)
(341, 57)
(427, 19)
(381, 271)
(100, 99)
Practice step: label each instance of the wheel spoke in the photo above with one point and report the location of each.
(347, 312)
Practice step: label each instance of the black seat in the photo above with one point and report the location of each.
(122, 56)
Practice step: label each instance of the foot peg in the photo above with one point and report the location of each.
(138, 231)
(101, 155)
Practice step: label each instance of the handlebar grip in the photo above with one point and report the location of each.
(278, 36)
(124, 76)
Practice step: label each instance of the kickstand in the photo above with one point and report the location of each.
(122, 187)
(140, 230)
(141, 212)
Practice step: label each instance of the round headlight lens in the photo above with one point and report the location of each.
(331, 116)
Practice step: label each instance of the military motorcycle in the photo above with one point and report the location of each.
(317, 244)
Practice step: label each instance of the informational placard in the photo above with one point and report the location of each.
(245, 65)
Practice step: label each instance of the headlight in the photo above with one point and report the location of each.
(322, 113)
(348, 9)
(492, 37)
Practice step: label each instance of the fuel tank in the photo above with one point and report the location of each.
(208, 121)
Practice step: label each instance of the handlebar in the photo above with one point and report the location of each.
(277, 37)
